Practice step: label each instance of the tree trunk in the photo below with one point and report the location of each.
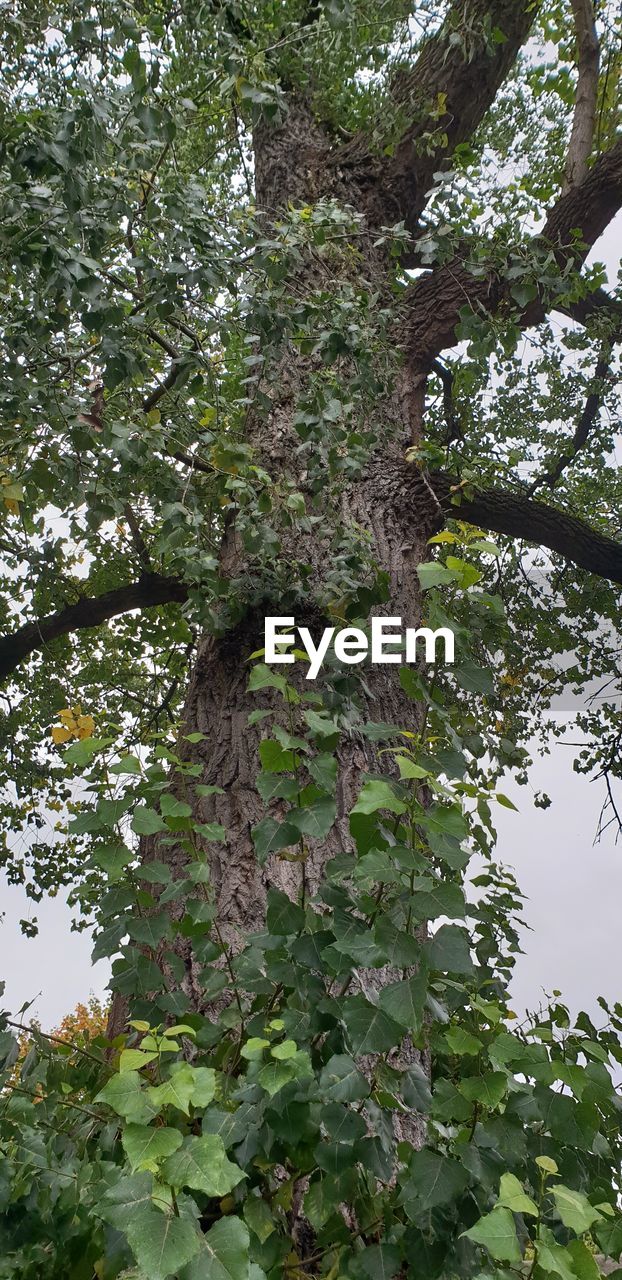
(292, 165)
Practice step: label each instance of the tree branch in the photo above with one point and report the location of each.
(584, 119)
(501, 511)
(151, 589)
(588, 208)
(434, 302)
(448, 91)
(582, 430)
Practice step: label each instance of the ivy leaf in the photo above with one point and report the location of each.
(512, 1196)
(125, 1095)
(146, 822)
(448, 950)
(574, 1209)
(432, 1179)
(376, 795)
(497, 1232)
(223, 1255)
(404, 1001)
(488, 1089)
(269, 836)
(370, 1029)
(162, 1242)
(202, 1163)
(283, 916)
(145, 1146)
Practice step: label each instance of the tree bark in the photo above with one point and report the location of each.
(218, 702)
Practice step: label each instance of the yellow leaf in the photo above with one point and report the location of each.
(86, 726)
(61, 735)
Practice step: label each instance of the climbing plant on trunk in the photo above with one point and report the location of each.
(298, 323)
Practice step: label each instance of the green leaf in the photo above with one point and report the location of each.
(554, 1259)
(574, 1209)
(125, 1095)
(286, 1049)
(283, 916)
(124, 1200)
(341, 1079)
(171, 807)
(162, 1242)
(433, 574)
(203, 1087)
(254, 1048)
(460, 1041)
(583, 1261)
(488, 1089)
(449, 950)
(149, 930)
(497, 1232)
(275, 758)
(432, 1179)
(370, 1029)
(316, 820)
(224, 1253)
(135, 1059)
(323, 770)
(342, 1123)
(404, 1001)
(177, 1091)
(202, 1164)
(269, 836)
(376, 795)
(146, 822)
(380, 1261)
(127, 764)
(512, 1196)
(145, 1146)
(258, 1216)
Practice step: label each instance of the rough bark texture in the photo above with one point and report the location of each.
(398, 506)
(399, 519)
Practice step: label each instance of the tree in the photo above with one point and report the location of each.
(294, 294)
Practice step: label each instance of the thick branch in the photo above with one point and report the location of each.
(584, 119)
(588, 208)
(435, 301)
(500, 511)
(448, 91)
(150, 589)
